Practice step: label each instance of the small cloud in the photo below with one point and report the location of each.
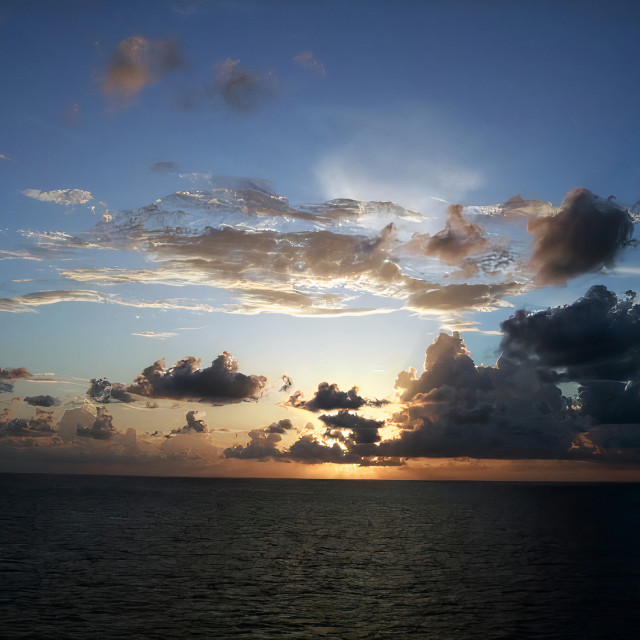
(42, 401)
(67, 197)
(242, 89)
(164, 167)
(307, 59)
(137, 62)
(158, 335)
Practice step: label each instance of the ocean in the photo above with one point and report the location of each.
(124, 557)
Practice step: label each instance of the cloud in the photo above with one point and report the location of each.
(185, 379)
(363, 430)
(164, 167)
(328, 397)
(585, 235)
(307, 59)
(42, 401)
(101, 390)
(26, 302)
(241, 89)
(456, 408)
(597, 337)
(102, 428)
(193, 425)
(263, 443)
(41, 425)
(137, 62)
(158, 335)
(67, 197)
(14, 374)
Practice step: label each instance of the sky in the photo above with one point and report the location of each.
(391, 239)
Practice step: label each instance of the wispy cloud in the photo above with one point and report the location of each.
(158, 335)
(67, 197)
(307, 60)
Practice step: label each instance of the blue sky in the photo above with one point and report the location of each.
(424, 104)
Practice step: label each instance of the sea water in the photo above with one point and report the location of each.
(123, 557)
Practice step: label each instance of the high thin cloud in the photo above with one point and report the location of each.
(307, 59)
(67, 197)
(185, 379)
(137, 62)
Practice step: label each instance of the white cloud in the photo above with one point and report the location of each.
(158, 335)
(67, 197)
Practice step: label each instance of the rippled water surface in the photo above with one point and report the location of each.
(106, 557)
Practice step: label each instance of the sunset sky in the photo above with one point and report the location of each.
(303, 198)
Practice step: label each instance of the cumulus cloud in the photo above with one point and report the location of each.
(362, 430)
(41, 425)
(42, 401)
(307, 59)
(242, 89)
(263, 444)
(67, 197)
(327, 397)
(101, 390)
(185, 379)
(597, 337)
(194, 425)
(102, 428)
(455, 408)
(137, 62)
(586, 234)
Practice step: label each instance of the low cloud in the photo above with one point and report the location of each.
(67, 197)
(101, 390)
(306, 59)
(597, 337)
(185, 379)
(194, 425)
(137, 62)
(102, 429)
(41, 425)
(327, 397)
(42, 401)
(585, 235)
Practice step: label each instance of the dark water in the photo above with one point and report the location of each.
(98, 557)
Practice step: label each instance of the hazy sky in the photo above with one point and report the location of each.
(278, 181)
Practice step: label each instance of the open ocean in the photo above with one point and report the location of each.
(121, 557)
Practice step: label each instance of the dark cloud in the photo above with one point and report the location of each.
(327, 397)
(41, 425)
(14, 374)
(185, 379)
(586, 234)
(163, 167)
(363, 430)
(597, 337)
(263, 444)
(5, 387)
(282, 426)
(102, 428)
(137, 62)
(42, 401)
(242, 89)
(611, 402)
(456, 408)
(307, 59)
(193, 425)
(101, 390)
